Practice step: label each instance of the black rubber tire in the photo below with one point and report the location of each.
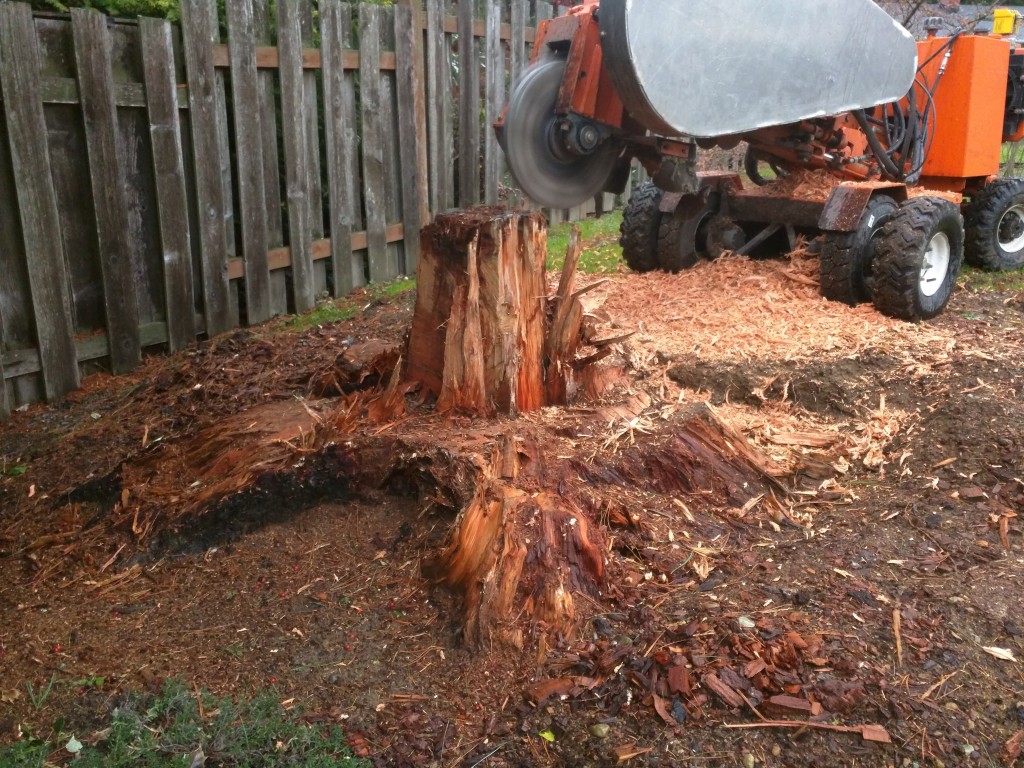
(846, 257)
(990, 220)
(682, 241)
(900, 251)
(638, 232)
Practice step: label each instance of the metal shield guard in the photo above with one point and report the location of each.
(708, 68)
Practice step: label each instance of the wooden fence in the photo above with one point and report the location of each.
(160, 183)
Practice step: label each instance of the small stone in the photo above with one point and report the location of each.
(600, 730)
(776, 750)
(745, 622)
(748, 760)
(973, 493)
(968, 749)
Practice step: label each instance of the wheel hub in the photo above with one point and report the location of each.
(935, 264)
(1011, 229)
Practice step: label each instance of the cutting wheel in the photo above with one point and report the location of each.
(542, 166)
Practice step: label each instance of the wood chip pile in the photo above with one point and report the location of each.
(737, 309)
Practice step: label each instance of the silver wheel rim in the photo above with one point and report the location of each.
(936, 264)
(1013, 219)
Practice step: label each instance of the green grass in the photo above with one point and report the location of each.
(978, 280)
(345, 308)
(601, 255)
(328, 312)
(601, 251)
(167, 729)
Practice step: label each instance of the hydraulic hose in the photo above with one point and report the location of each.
(876, 146)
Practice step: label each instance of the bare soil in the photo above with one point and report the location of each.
(885, 597)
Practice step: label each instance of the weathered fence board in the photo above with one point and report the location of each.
(340, 130)
(517, 42)
(184, 182)
(294, 125)
(5, 400)
(389, 134)
(18, 325)
(314, 183)
(92, 56)
(169, 170)
(262, 26)
(439, 126)
(37, 202)
(410, 132)
(494, 101)
(374, 190)
(469, 110)
(416, 82)
(248, 137)
(199, 34)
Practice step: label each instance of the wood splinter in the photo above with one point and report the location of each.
(485, 337)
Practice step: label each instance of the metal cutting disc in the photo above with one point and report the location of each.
(540, 163)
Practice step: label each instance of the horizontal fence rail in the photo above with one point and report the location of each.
(160, 183)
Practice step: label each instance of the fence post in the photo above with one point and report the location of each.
(37, 201)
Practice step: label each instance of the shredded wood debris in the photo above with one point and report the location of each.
(739, 309)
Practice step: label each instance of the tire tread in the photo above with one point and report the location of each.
(981, 223)
(895, 280)
(638, 232)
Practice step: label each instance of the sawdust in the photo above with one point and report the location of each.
(735, 308)
(728, 312)
(817, 186)
(802, 183)
(953, 197)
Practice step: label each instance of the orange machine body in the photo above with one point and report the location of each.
(969, 108)
(587, 89)
(970, 102)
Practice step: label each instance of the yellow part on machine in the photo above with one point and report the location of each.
(1006, 22)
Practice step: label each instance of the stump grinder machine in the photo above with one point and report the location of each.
(907, 136)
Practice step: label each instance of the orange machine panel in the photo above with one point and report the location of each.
(969, 104)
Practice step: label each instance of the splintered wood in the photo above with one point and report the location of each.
(485, 339)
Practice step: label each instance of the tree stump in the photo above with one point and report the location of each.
(529, 509)
(485, 338)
